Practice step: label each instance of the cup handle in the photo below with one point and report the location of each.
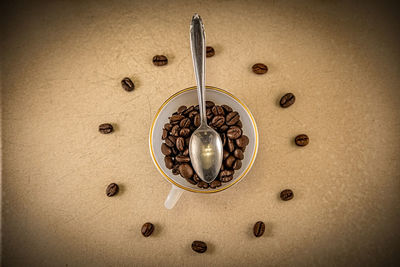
(173, 197)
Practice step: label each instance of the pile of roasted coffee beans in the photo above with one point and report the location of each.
(176, 135)
(177, 132)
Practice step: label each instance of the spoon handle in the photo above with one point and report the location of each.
(198, 46)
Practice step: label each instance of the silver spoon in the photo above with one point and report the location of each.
(205, 146)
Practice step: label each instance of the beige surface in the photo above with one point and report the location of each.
(62, 66)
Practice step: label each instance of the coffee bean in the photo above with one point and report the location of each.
(174, 151)
(188, 110)
(106, 128)
(217, 110)
(234, 132)
(184, 132)
(287, 100)
(225, 154)
(242, 141)
(237, 165)
(186, 151)
(175, 130)
(112, 190)
(176, 118)
(182, 159)
(239, 124)
(259, 68)
(196, 120)
(193, 114)
(180, 144)
(170, 141)
(209, 104)
(223, 138)
(203, 184)
(286, 195)
(259, 229)
(238, 153)
(231, 145)
(214, 184)
(187, 141)
(209, 114)
(147, 229)
(302, 140)
(127, 84)
(166, 150)
(229, 161)
(232, 118)
(168, 162)
(225, 176)
(184, 123)
(160, 60)
(175, 169)
(168, 126)
(210, 51)
(199, 246)
(227, 108)
(196, 178)
(185, 170)
(223, 128)
(164, 134)
(218, 121)
(190, 181)
(181, 109)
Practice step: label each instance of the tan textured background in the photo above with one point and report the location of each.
(62, 63)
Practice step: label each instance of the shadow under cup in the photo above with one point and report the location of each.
(188, 97)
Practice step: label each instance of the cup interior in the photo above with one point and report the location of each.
(188, 97)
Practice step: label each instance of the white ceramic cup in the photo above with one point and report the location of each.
(188, 97)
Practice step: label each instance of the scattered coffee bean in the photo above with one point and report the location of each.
(260, 68)
(160, 60)
(112, 190)
(210, 51)
(302, 140)
(147, 229)
(259, 229)
(184, 123)
(199, 246)
(127, 84)
(226, 176)
(106, 128)
(287, 100)
(223, 128)
(286, 195)
(217, 110)
(177, 117)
